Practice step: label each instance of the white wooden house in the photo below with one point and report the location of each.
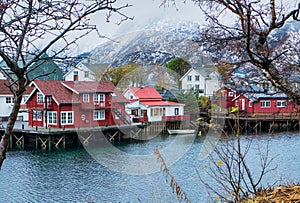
(7, 102)
(203, 80)
(146, 105)
(85, 72)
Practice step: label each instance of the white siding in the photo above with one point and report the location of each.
(6, 108)
(81, 69)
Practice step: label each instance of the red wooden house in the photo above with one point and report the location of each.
(224, 97)
(261, 103)
(69, 104)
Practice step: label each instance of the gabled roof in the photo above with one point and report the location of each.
(4, 90)
(57, 90)
(204, 72)
(89, 86)
(42, 68)
(67, 92)
(94, 68)
(145, 92)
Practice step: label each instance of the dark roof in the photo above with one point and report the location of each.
(44, 66)
(90, 86)
(4, 90)
(68, 91)
(57, 90)
(166, 94)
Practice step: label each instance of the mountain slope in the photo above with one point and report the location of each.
(156, 45)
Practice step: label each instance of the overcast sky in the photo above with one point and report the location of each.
(145, 13)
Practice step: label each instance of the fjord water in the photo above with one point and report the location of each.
(72, 175)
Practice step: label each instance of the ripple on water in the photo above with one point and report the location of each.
(74, 176)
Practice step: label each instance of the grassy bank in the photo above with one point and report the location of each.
(280, 194)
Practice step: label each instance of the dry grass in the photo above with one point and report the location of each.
(281, 194)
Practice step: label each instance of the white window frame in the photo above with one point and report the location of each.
(52, 117)
(86, 74)
(197, 77)
(281, 103)
(67, 117)
(99, 115)
(176, 111)
(250, 103)
(37, 115)
(230, 94)
(197, 87)
(85, 98)
(263, 104)
(189, 78)
(156, 111)
(99, 97)
(236, 103)
(40, 98)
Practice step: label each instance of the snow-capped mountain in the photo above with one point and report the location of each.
(156, 44)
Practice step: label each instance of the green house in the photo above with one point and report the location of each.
(43, 69)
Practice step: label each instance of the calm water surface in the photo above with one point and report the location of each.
(74, 176)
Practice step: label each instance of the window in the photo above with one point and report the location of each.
(250, 103)
(236, 102)
(75, 75)
(25, 98)
(9, 100)
(86, 74)
(66, 117)
(99, 115)
(189, 78)
(52, 117)
(197, 87)
(189, 86)
(156, 112)
(230, 94)
(197, 77)
(49, 99)
(37, 115)
(86, 98)
(265, 103)
(40, 98)
(281, 103)
(98, 98)
(176, 111)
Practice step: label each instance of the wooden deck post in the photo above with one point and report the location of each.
(36, 142)
(49, 142)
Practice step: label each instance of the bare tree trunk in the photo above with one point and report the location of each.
(4, 143)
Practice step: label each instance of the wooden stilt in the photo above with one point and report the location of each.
(49, 142)
(86, 140)
(44, 143)
(64, 141)
(11, 142)
(59, 141)
(36, 142)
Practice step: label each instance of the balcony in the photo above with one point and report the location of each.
(176, 118)
(140, 119)
(99, 105)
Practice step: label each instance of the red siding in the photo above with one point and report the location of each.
(83, 114)
(257, 108)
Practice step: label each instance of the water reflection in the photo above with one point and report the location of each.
(74, 176)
